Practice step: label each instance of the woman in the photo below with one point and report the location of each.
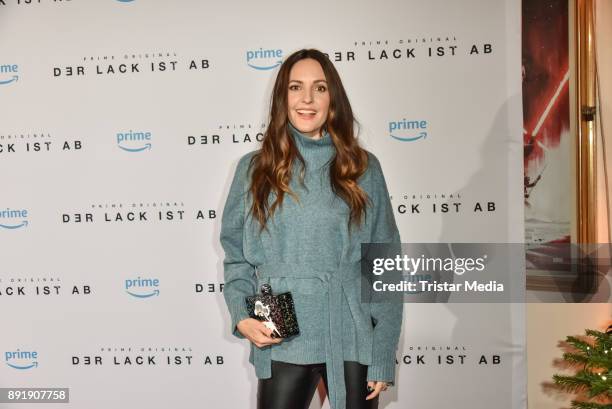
(295, 216)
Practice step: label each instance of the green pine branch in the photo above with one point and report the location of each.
(595, 378)
(575, 384)
(590, 405)
(578, 343)
(594, 360)
(601, 337)
(575, 358)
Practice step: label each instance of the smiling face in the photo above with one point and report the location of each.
(307, 97)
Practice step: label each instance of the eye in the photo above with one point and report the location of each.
(322, 88)
(293, 87)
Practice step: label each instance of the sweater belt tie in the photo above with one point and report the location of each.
(337, 277)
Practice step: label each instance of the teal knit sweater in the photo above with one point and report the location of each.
(307, 250)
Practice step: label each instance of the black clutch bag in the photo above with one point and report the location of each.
(275, 311)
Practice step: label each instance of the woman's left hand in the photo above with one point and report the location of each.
(377, 386)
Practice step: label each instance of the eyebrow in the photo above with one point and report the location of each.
(302, 82)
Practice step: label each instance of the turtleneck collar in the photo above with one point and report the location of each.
(316, 152)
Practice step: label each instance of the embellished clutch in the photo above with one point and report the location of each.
(275, 311)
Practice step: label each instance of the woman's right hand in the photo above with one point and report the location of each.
(256, 332)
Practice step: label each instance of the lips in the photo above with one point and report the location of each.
(306, 113)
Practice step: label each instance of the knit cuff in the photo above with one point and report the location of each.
(382, 368)
(237, 312)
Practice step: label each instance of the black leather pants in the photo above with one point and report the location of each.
(292, 386)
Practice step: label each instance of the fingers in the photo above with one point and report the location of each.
(375, 387)
(270, 334)
(263, 337)
(265, 341)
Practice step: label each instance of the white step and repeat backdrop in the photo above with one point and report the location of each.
(121, 123)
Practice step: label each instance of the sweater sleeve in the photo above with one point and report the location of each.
(387, 315)
(239, 275)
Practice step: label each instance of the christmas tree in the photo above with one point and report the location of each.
(593, 379)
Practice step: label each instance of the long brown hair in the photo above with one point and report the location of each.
(272, 164)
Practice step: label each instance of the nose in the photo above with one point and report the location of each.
(307, 96)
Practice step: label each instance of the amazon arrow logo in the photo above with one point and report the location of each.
(8, 74)
(142, 148)
(142, 287)
(137, 141)
(408, 130)
(14, 226)
(264, 59)
(27, 359)
(7, 214)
